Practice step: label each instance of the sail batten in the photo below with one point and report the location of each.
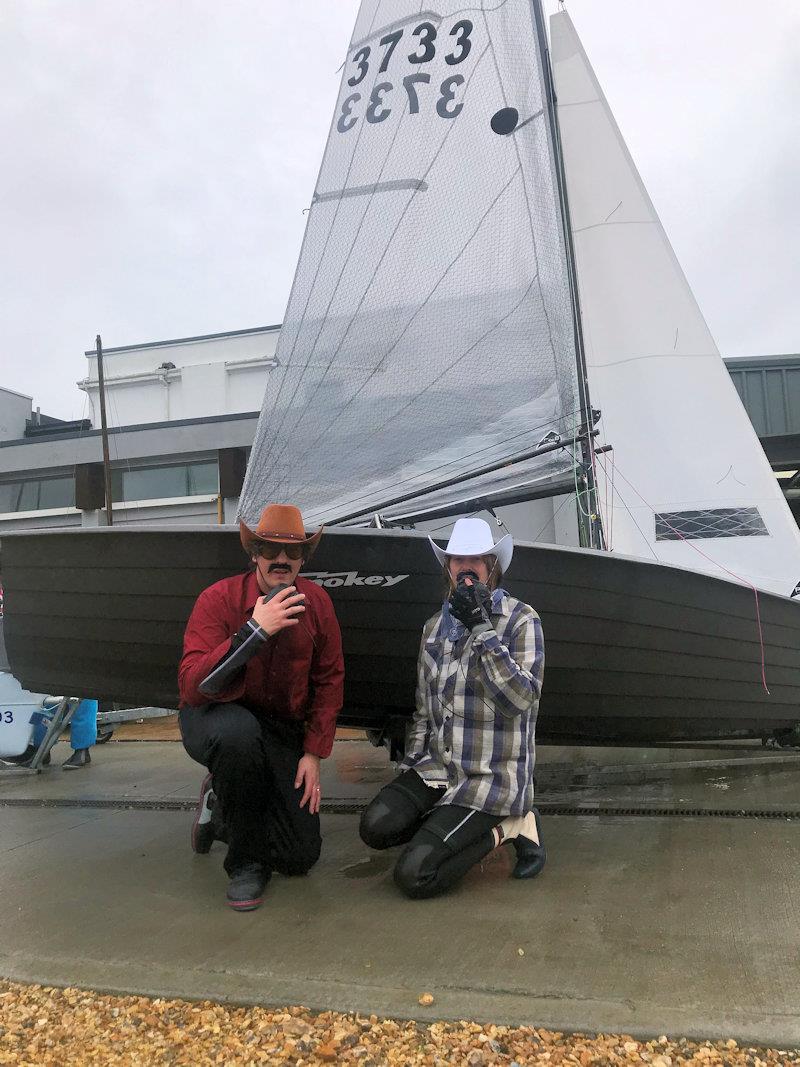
(429, 319)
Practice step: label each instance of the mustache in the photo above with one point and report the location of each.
(278, 567)
(467, 574)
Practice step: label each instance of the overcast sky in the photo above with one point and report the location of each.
(158, 154)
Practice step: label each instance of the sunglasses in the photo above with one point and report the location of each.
(270, 550)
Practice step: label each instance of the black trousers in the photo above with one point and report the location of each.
(253, 763)
(441, 845)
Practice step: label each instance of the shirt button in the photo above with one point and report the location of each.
(447, 718)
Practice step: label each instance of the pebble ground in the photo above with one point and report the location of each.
(44, 1027)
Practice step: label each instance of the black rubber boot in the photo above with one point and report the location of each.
(531, 857)
(80, 758)
(246, 887)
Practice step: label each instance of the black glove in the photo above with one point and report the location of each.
(471, 604)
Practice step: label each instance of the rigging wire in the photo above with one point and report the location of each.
(576, 465)
(609, 507)
(629, 511)
(699, 551)
(613, 472)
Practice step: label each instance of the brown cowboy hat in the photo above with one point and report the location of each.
(282, 524)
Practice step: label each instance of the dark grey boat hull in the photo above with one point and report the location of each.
(636, 651)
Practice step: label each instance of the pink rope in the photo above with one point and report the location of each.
(738, 577)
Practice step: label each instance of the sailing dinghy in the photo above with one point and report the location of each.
(486, 311)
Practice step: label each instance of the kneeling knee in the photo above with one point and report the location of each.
(413, 874)
(375, 827)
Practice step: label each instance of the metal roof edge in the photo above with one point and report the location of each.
(184, 340)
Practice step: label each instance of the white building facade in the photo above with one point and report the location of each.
(181, 418)
(188, 378)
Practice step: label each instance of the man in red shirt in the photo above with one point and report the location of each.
(261, 683)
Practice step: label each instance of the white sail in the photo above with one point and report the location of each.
(428, 331)
(691, 483)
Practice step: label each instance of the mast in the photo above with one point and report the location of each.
(590, 525)
(104, 432)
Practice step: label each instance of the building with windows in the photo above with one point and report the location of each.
(182, 416)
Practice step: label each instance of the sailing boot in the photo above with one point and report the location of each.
(80, 758)
(526, 833)
(246, 887)
(531, 853)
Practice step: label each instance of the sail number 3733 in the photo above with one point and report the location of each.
(380, 103)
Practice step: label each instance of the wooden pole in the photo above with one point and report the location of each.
(104, 433)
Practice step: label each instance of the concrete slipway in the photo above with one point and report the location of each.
(658, 912)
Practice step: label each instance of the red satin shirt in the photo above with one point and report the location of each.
(298, 674)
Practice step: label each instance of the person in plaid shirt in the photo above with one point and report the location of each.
(466, 783)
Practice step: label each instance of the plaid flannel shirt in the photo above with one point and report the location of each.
(477, 700)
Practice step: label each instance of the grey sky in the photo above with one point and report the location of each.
(158, 155)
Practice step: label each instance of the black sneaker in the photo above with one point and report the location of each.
(531, 857)
(203, 835)
(246, 887)
(79, 758)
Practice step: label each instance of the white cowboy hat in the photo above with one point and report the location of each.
(473, 537)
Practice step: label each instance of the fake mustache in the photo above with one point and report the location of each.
(467, 574)
(278, 567)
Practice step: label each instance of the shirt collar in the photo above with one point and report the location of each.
(251, 591)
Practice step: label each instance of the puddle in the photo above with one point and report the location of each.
(367, 868)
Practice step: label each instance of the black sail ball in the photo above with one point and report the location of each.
(505, 120)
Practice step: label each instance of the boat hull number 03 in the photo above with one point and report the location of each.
(377, 105)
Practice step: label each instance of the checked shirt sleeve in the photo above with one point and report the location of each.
(512, 668)
(417, 731)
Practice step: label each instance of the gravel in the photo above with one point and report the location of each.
(56, 1027)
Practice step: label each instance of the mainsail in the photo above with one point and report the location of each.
(687, 481)
(428, 331)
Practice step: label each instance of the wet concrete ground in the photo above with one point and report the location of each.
(640, 922)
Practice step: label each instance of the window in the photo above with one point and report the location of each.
(160, 483)
(37, 494)
(713, 522)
